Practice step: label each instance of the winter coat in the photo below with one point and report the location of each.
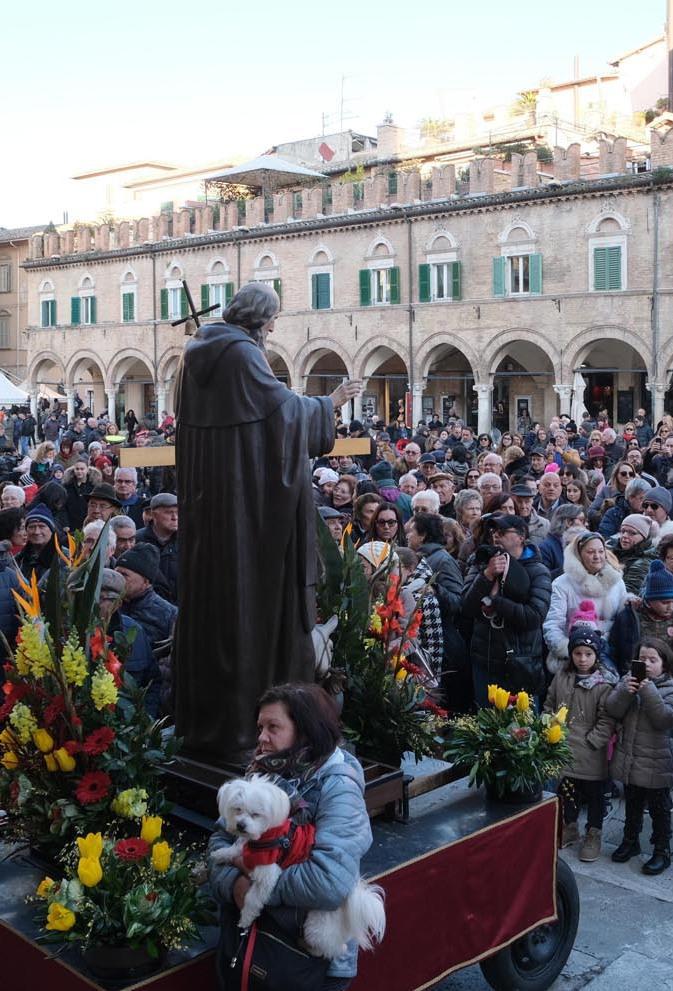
(154, 614)
(515, 624)
(76, 506)
(335, 800)
(448, 587)
(589, 726)
(606, 590)
(626, 634)
(614, 517)
(551, 553)
(430, 632)
(9, 580)
(538, 528)
(643, 753)
(168, 557)
(635, 562)
(665, 530)
(133, 509)
(139, 662)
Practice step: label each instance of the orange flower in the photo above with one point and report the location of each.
(97, 643)
(31, 604)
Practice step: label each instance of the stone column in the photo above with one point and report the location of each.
(70, 404)
(111, 405)
(33, 395)
(564, 392)
(357, 408)
(657, 390)
(485, 410)
(416, 403)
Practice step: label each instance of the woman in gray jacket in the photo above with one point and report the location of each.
(643, 760)
(297, 745)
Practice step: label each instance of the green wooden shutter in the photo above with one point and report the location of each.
(535, 274)
(45, 313)
(314, 292)
(614, 267)
(205, 297)
(424, 283)
(365, 287)
(499, 276)
(164, 304)
(392, 183)
(228, 292)
(600, 269)
(456, 280)
(277, 287)
(94, 310)
(128, 306)
(52, 307)
(184, 305)
(75, 310)
(394, 285)
(322, 291)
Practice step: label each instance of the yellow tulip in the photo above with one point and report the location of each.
(43, 740)
(151, 828)
(554, 733)
(90, 846)
(60, 918)
(562, 715)
(401, 675)
(44, 887)
(89, 871)
(50, 761)
(161, 856)
(64, 760)
(8, 739)
(492, 689)
(523, 701)
(501, 698)
(9, 760)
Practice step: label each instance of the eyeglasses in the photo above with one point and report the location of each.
(381, 522)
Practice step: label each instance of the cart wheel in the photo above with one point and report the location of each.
(534, 962)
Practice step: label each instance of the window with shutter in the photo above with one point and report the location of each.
(278, 289)
(228, 292)
(499, 276)
(184, 305)
(392, 183)
(365, 287)
(128, 306)
(608, 268)
(205, 297)
(456, 281)
(164, 304)
(4, 330)
(320, 291)
(424, 283)
(394, 284)
(93, 310)
(5, 277)
(75, 310)
(535, 274)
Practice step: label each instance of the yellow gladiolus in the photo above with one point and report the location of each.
(44, 887)
(553, 733)
(492, 689)
(151, 828)
(8, 739)
(501, 698)
(9, 760)
(64, 760)
(43, 740)
(90, 846)
(50, 761)
(60, 918)
(523, 701)
(89, 871)
(161, 856)
(562, 715)
(401, 675)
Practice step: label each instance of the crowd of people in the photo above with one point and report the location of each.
(549, 558)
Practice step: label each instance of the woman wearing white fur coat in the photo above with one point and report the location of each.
(590, 572)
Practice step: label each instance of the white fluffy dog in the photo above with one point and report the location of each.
(255, 807)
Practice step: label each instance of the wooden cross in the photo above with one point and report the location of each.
(194, 314)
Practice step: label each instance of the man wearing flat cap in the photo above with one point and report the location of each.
(162, 532)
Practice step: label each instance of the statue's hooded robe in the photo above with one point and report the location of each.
(247, 569)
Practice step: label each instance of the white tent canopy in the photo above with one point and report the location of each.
(11, 394)
(266, 171)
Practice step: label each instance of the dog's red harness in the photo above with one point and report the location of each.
(284, 845)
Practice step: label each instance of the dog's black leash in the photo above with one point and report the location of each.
(244, 936)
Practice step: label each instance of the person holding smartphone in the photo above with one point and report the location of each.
(642, 702)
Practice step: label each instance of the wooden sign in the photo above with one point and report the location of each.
(351, 446)
(164, 456)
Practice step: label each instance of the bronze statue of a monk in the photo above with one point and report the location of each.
(247, 569)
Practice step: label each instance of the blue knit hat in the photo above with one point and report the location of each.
(659, 582)
(39, 513)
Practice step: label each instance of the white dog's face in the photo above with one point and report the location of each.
(251, 807)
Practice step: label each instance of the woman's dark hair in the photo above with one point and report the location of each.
(487, 437)
(579, 484)
(459, 454)
(53, 495)
(66, 443)
(429, 527)
(400, 537)
(568, 468)
(662, 649)
(495, 502)
(313, 713)
(664, 546)
(363, 500)
(10, 521)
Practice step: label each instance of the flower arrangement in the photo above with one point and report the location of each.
(387, 709)
(77, 748)
(136, 891)
(508, 746)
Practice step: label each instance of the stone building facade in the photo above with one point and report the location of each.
(486, 299)
(14, 247)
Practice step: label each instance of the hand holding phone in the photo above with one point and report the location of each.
(638, 670)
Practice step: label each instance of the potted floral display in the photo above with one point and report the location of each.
(509, 747)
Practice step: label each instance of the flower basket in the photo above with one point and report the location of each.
(78, 751)
(509, 747)
(119, 965)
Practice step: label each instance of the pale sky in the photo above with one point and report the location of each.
(92, 84)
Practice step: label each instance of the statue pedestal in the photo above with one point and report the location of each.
(194, 786)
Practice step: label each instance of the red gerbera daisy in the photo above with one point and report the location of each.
(92, 787)
(14, 695)
(72, 747)
(54, 710)
(132, 850)
(98, 742)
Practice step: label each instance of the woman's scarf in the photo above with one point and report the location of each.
(292, 770)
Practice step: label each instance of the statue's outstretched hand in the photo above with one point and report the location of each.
(346, 391)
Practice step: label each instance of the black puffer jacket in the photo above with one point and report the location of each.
(154, 614)
(448, 584)
(168, 559)
(515, 624)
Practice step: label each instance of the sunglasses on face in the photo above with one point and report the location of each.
(651, 505)
(626, 474)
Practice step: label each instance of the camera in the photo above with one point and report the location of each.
(484, 553)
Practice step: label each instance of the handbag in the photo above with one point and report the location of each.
(270, 957)
(524, 668)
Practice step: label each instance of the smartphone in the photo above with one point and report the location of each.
(638, 670)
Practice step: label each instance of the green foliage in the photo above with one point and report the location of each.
(356, 174)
